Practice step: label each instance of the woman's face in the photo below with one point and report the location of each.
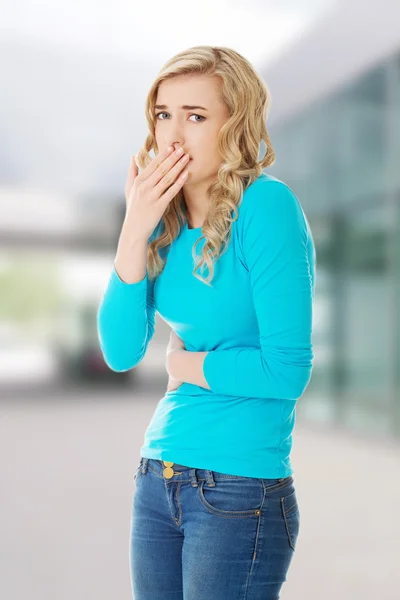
(195, 129)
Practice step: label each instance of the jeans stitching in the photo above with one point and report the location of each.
(238, 514)
(179, 520)
(273, 487)
(291, 509)
(287, 524)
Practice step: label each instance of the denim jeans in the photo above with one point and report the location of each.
(205, 535)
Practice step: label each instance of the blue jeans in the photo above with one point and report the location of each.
(204, 535)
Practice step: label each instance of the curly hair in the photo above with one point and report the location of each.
(247, 98)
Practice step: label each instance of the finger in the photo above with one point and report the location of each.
(132, 173)
(149, 170)
(173, 189)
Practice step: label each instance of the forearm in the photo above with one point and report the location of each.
(126, 314)
(187, 367)
(125, 322)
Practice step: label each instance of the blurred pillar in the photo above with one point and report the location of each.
(393, 198)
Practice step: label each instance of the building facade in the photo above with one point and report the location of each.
(339, 150)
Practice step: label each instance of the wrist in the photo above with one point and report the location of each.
(130, 237)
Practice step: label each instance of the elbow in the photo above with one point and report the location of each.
(299, 381)
(300, 385)
(291, 379)
(119, 352)
(119, 359)
(117, 365)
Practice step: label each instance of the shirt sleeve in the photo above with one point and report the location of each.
(126, 320)
(274, 239)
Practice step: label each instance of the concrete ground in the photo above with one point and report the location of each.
(67, 464)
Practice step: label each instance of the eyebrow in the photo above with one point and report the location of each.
(184, 107)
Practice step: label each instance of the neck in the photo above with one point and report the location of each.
(197, 202)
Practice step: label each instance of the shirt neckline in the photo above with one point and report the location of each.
(193, 230)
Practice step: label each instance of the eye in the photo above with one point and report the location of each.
(192, 115)
(201, 117)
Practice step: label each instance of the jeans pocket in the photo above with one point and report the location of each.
(233, 497)
(291, 516)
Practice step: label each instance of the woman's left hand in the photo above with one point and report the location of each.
(173, 384)
(175, 343)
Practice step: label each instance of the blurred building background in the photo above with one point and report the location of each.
(335, 124)
(71, 115)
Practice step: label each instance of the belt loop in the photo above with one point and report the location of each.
(210, 479)
(193, 478)
(144, 464)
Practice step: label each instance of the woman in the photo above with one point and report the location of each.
(215, 512)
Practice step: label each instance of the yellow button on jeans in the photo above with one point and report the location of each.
(168, 471)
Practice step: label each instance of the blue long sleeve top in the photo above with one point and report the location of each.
(255, 322)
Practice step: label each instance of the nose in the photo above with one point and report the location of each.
(177, 145)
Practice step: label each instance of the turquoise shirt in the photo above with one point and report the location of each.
(255, 322)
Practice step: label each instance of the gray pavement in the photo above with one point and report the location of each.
(67, 464)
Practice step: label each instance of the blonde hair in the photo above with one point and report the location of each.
(247, 98)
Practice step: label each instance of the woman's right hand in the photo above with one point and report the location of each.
(148, 194)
